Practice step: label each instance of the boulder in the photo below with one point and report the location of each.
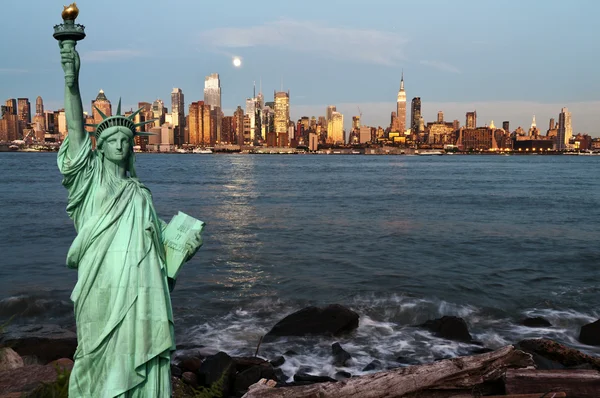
(195, 352)
(216, 368)
(340, 356)
(190, 364)
(449, 327)
(536, 322)
(26, 378)
(46, 342)
(590, 333)
(190, 379)
(304, 377)
(333, 320)
(342, 375)
(253, 374)
(9, 359)
(373, 365)
(277, 362)
(62, 364)
(549, 354)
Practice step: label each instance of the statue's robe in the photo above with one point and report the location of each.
(122, 303)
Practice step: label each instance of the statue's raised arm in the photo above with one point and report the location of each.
(67, 35)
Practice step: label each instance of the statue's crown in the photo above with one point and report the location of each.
(119, 120)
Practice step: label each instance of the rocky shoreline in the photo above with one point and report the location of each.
(37, 356)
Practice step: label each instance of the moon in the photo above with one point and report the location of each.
(237, 62)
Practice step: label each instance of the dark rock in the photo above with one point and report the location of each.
(536, 322)
(333, 320)
(305, 369)
(190, 364)
(46, 342)
(281, 377)
(196, 352)
(243, 363)
(449, 327)
(251, 375)
(304, 377)
(214, 368)
(549, 354)
(190, 379)
(589, 334)
(342, 375)
(27, 378)
(176, 371)
(340, 356)
(481, 350)
(62, 364)
(290, 353)
(373, 365)
(277, 362)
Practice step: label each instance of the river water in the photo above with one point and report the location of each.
(399, 239)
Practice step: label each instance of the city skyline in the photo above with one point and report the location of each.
(528, 65)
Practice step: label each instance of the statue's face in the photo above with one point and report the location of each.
(116, 148)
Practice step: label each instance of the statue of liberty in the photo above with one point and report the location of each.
(121, 300)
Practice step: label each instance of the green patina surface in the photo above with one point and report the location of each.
(122, 302)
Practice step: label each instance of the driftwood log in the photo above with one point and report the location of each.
(456, 373)
(574, 382)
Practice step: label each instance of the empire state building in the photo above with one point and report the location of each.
(401, 108)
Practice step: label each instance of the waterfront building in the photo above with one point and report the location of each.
(238, 120)
(415, 116)
(364, 134)
(62, 125)
(178, 116)
(11, 128)
(228, 130)
(282, 115)
(199, 124)
(212, 90)
(335, 129)
(313, 141)
(39, 120)
(329, 112)
(103, 104)
(400, 125)
(471, 121)
(565, 130)
(158, 112)
(24, 109)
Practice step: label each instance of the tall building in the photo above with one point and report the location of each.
(565, 131)
(158, 112)
(471, 122)
(103, 104)
(401, 108)
(282, 115)
(178, 116)
(506, 126)
(355, 122)
(329, 112)
(212, 90)
(440, 117)
(238, 125)
(335, 128)
(24, 108)
(39, 106)
(415, 115)
(552, 125)
(199, 124)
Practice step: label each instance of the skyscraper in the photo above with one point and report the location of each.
(238, 126)
(565, 131)
(282, 115)
(329, 112)
(212, 90)
(102, 103)
(440, 117)
(506, 126)
(178, 116)
(401, 108)
(199, 124)
(471, 121)
(415, 116)
(24, 109)
(335, 128)
(158, 112)
(39, 106)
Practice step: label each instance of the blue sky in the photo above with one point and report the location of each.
(507, 59)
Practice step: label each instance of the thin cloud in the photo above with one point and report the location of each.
(13, 70)
(443, 66)
(362, 45)
(110, 55)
